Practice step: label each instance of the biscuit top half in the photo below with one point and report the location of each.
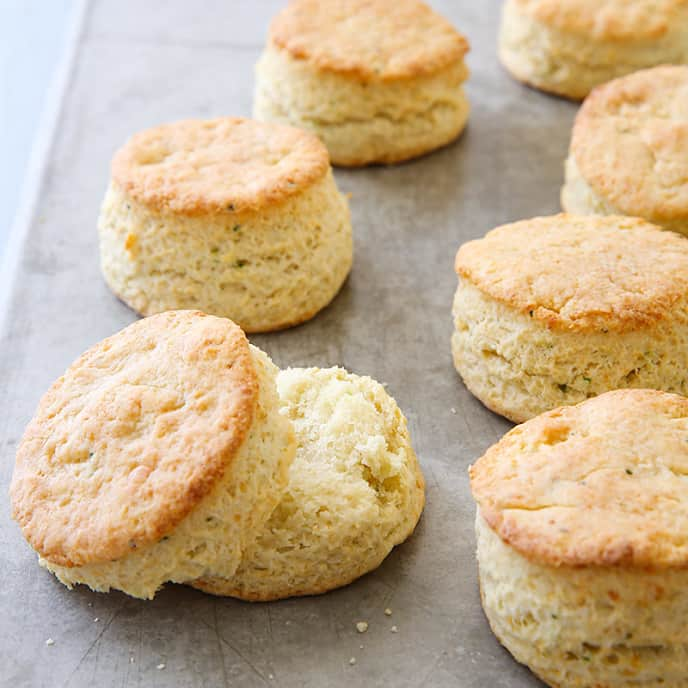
(581, 273)
(371, 40)
(630, 143)
(603, 483)
(220, 166)
(611, 20)
(131, 438)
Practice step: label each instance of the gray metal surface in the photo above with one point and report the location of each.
(138, 64)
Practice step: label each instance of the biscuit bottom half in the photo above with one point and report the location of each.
(363, 123)
(519, 368)
(585, 627)
(213, 536)
(355, 490)
(579, 198)
(570, 64)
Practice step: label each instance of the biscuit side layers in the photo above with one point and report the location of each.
(265, 271)
(570, 62)
(520, 368)
(585, 626)
(363, 122)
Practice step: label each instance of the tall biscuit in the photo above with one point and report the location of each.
(629, 150)
(554, 310)
(568, 47)
(230, 216)
(379, 81)
(582, 549)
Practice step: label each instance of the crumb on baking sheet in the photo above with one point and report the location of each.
(362, 626)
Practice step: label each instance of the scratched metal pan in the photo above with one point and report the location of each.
(137, 64)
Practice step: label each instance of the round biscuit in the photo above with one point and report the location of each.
(230, 216)
(378, 81)
(567, 47)
(629, 149)
(554, 310)
(583, 559)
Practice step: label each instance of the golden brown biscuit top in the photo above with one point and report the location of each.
(581, 273)
(373, 40)
(134, 434)
(613, 20)
(226, 165)
(630, 143)
(603, 483)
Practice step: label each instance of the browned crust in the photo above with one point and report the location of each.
(133, 436)
(229, 165)
(368, 40)
(597, 484)
(581, 273)
(630, 143)
(608, 20)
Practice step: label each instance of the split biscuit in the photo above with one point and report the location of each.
(154, 458)
(355, 490)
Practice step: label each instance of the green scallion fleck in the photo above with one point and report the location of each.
(240, 263)
(236, 228)
(629, 471)
(563, 387)
(214, 249)
(588, 379)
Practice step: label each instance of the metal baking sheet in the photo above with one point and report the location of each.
(137, 64)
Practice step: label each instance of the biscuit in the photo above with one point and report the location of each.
(379, 81)
(554, 310)
(582, 548)
(154, 457)
(355, 490)
(230, 216)
(568, 47)
(629, 150)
